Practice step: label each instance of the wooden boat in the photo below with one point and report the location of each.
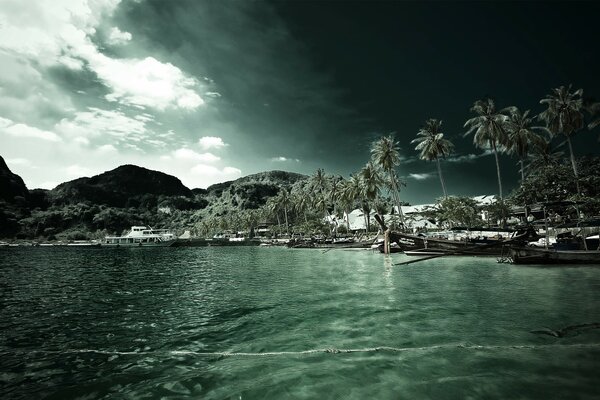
(407, 242)
(540, 255)
(485, 246)
(427, 252)
(309, 244)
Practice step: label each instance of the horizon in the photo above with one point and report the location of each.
(231, 181)
(210, 93)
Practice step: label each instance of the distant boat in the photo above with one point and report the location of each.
(230, 239)
(537, 255)
(142, 236)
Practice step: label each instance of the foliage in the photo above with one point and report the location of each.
(489, 130)
(431, 143)
(555, 183)
(457, 211)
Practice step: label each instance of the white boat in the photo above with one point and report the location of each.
(142, 236)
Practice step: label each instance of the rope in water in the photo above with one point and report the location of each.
(313, 351)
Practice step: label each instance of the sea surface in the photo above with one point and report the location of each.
(277, 323)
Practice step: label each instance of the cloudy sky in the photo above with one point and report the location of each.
(213, 90)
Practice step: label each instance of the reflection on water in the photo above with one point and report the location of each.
(280, 323)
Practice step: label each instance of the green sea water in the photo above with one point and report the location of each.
(277, 323)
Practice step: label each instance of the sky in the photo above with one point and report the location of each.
(211, 91)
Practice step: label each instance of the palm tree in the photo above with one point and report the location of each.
(284, 201)
(432, 145)
(521, 136)
(336, 184)
(488, 126)
(385, 153)
(300, 202)
(319, 184)
(272, 208)
(564, 116)
(543, 156)
(371, 186)
(350, 191)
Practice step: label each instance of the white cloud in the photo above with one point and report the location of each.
(284, 159)
(211, 142)
(420, 177)
(18, 161)
(210, 171)
(146, 82)
(47, 185)
(77, 171)
(26, 131)
(107, 149)
(60, 31)
(5, 122)
(117, 37)
(96, 122)
(468, 157)
(191, 155)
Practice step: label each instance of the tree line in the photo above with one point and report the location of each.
(377, 185)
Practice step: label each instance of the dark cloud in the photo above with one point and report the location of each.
(309, 81)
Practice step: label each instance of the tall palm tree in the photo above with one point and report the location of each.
(336, 184)
(488, 126)
(521, 136)
(300, 202)
(385, 153)
(272, 209)
(284, 202)
(564, 116)
(432, 145)
(371, 187)
(319, 185)
(351, 191)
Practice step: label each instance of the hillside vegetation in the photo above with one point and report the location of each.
(111, 202)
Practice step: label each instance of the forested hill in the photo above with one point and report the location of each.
(128, 195)
(117, 188)
(11, 185)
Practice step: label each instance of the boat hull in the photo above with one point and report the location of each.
(164, 243)
(532, 255)
(412, 242)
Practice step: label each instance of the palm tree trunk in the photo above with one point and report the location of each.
(441, 177)
(522, 172)
(278, 221)
(287, 225)
(396, 194)
(498, 170)
(347, 220)
(522, 182)
(573, 164)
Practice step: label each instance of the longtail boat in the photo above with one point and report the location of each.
(540, 255)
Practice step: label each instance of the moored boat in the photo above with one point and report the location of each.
(142, 236)
(537, 255)
(407, 242)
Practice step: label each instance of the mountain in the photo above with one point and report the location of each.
(248, 192)
(128, 195)
(120, 187)
(11, 185)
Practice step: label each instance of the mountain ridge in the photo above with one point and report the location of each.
(128, 194)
